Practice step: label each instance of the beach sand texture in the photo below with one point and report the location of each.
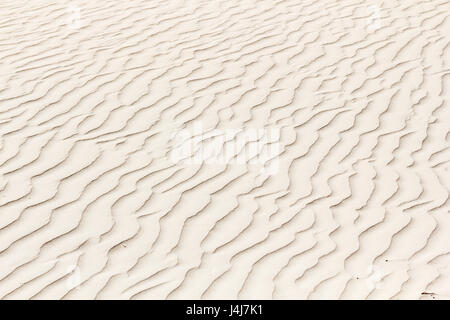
(96, 203)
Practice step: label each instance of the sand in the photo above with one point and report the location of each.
(334, 183)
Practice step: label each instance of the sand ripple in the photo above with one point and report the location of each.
(92, 204)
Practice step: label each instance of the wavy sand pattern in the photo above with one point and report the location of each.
(92, 204)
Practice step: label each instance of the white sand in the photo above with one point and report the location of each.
(93, 203)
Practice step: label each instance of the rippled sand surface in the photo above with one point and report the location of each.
(95, 204)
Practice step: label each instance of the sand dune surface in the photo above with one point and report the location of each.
(224, 149)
